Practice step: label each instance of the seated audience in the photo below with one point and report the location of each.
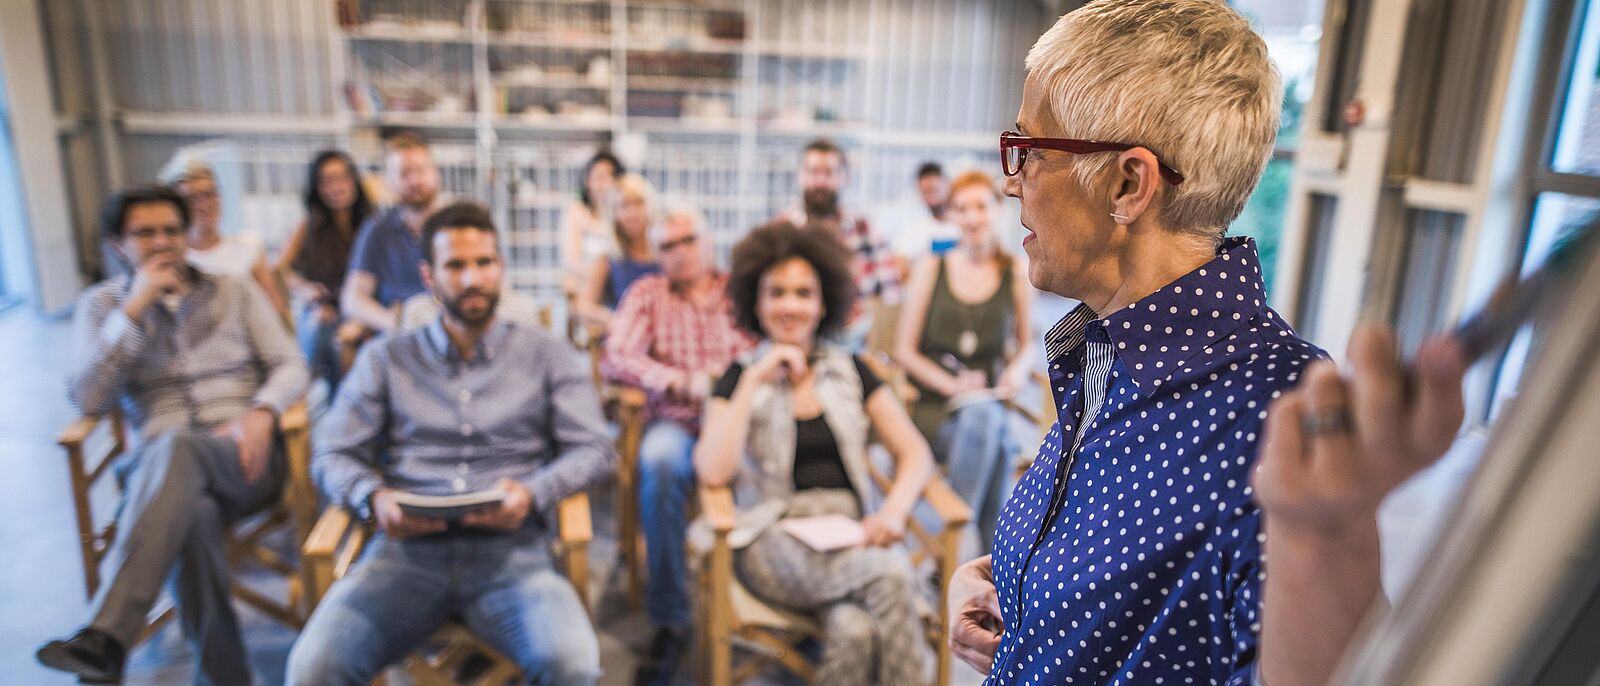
(468, 403)
(672, 336)
(383, 264)
(242, 255)
(966, 341)
(317, 256)
(203, 367)
(586, 224)
(792, 420)
(611, 275)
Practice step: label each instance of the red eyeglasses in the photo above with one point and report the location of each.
(1014, 149)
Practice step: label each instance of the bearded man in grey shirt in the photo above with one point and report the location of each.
(467, 403)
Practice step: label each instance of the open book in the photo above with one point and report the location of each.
(448, 506)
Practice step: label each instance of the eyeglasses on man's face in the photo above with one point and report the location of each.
(669, 246)
(1014, 149)
(150, 233)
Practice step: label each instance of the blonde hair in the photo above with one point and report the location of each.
(193, 170)
(634, 186)
(1188, 79)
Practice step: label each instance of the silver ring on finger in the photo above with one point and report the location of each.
(1326, 422)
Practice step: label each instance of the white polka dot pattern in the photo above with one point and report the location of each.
(1144, 566)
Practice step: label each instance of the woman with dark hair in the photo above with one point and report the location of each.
(966, 342)
(317, 255)
(791, 420)
(586, 223)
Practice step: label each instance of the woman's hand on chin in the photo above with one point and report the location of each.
(782, 360)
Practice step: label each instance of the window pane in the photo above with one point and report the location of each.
(1431, 242)
(1553, 220)
(1262, 218)
(1292, 31)
(1578, 136)
(1314, 263)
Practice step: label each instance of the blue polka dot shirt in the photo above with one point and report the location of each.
(1135, 558)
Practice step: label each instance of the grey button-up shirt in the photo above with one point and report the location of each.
(223, 351)
(414, 415)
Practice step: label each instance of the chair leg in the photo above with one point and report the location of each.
(948, 540)
(86, 534)
(576, 558)
(628, 538)
(719, 620)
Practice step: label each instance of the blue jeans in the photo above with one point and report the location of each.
(503, 587)
(316, 342)
(979, 448)
(666, 482)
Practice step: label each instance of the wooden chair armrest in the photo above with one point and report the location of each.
(952, 510)
(716, 504)
(630, 397)
(78, 431)
(295, 419)
(323, 543)
(573, 520)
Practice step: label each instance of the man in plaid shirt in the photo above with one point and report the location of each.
(672, 335)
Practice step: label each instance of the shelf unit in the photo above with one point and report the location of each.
(709, 99)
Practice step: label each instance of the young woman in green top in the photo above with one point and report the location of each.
(965, 340)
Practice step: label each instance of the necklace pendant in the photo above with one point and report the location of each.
(967, 344)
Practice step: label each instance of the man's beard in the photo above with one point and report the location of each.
(453, 306)
(821, 203)
(419, 201)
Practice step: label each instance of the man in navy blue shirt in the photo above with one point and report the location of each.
(1130, 551)
(385, 262)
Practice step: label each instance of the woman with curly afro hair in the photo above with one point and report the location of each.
(791, 419)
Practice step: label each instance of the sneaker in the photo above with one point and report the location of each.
(661, 665)
(91, 654)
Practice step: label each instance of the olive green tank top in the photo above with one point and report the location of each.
(972, 335)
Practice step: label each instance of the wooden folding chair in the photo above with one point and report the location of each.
(92, 445)
(731, 617)
(624, 406)
(336, 543)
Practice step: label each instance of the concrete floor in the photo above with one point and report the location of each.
(41, 571)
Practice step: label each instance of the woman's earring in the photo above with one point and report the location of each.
(1121, 218)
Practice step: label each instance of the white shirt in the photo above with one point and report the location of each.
(234, 256)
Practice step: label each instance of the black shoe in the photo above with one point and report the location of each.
(661, 664)
(91, 654)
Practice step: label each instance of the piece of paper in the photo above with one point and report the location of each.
(826, 533)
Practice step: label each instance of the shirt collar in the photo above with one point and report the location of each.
(1156, 334)
(439, 340)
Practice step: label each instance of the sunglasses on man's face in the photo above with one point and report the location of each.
(669, 246)
(1014, 149)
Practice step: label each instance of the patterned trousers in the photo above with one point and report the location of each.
(866, 598)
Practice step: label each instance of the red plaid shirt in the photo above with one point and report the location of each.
(876, 270)
(657, 334)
